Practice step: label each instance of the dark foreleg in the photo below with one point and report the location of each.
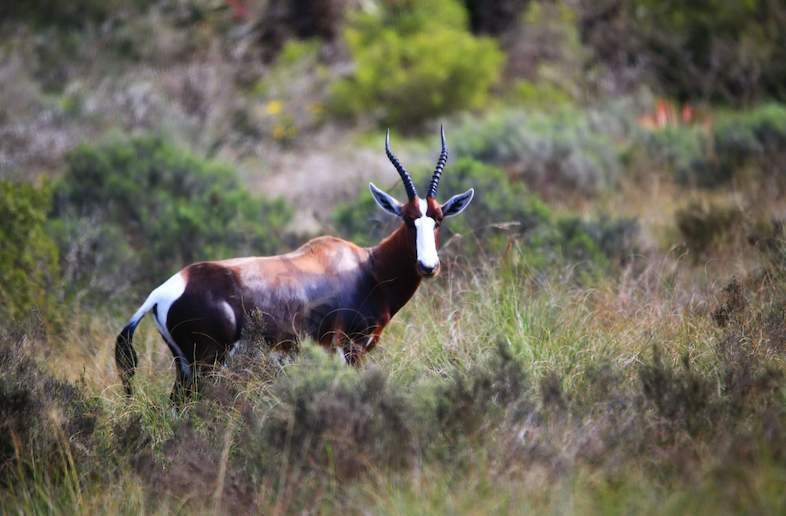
(355, 349)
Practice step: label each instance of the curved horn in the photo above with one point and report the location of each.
(405, 178)
(443, 158)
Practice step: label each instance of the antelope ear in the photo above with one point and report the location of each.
(385, 200)
(457, 203)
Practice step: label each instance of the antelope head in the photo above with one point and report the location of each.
(422, 218)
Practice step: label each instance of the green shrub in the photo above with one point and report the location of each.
(702, 225)
(58, 13)
(676, 148)
(44, 422)
(330, 419)
(752, 138)
(415, 61)
(137, 210)
(600, 241)
(567, 149)
(734, 52)
(540, 95)
(28, 256)
(69, 15)
(494, 17)
(738, 141)
(280, 22)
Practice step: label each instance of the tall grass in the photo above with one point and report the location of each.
(500, 388)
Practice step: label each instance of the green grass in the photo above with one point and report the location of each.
(499, 389)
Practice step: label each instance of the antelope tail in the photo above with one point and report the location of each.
(125, 356)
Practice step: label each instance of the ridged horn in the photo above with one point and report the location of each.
(443, 158)
(405, 177)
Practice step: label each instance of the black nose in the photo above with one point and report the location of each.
(427, 269)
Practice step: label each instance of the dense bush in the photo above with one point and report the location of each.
(63, 14)
(282, 20)
(137, 210)
(709, 50)
(329, 419)
(737, 141)
(566, 149)
(415, 61)
(44, 422)
(28, 256)
(701, 225)
(601, 240)
(755, 138)
(494, 17)
(675, 148)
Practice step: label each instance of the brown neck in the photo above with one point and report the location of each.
(393, 265)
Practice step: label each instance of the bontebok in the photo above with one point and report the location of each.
(339, 294)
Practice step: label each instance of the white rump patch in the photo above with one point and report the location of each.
(163, 297)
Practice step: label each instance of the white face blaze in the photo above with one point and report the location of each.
(425, 242)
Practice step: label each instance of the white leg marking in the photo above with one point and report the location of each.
(233, 349)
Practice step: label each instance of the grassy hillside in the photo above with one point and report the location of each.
(608, 333)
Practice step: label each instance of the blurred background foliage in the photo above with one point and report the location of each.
(142, 207)
(414, 61)
(29, 267)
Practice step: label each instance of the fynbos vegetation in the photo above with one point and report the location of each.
(608, 330)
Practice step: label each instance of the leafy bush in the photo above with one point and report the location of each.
(714, 50)
(415, 61)
(752, 138)
(494, 17)
(44, 422)
(702, 225)
(737, 141)
(329, 419)
(567, 149)
(466, 402)
(57, 13)
(676, 148)
(28, 256)
(137, 210)
(282, 20)
(600, 241)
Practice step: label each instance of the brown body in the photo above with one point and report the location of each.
(330, 290)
